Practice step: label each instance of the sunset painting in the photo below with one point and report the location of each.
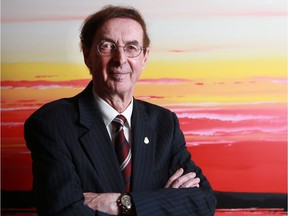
(221, 66)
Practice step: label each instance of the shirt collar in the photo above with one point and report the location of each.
(109, 113)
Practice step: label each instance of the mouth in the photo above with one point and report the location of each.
(117, 71)
(118, 74)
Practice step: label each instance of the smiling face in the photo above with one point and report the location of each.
(116, 74)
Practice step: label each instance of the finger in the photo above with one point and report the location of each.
(195, 182)
(88, 195)
(87, 199)
(175, 176)
(196, 185)
(183, 179)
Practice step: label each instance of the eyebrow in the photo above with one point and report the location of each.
(111, 40)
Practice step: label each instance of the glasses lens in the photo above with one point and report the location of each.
(106, 47)
(132, 49)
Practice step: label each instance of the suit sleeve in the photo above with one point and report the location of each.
(56, 186)
(182, 201)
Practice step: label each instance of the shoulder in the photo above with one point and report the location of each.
(149, 107)
(154, 111)
(61, 108)
(57, 109)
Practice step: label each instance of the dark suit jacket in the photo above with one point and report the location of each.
(72, 153)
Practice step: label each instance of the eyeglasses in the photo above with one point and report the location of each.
(108, 48)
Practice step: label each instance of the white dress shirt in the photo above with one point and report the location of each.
(109, 113)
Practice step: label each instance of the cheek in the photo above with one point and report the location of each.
(137, 65)
(99, 65)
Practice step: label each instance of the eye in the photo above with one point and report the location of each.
(132, 47)
(106, 45)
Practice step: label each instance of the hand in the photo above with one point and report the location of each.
(178, 180)
(104, 202)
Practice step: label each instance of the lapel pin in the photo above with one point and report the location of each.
(146, 140)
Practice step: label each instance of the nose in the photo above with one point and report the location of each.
(119, 56)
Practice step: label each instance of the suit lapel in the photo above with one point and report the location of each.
(97, 144)
(143, 149)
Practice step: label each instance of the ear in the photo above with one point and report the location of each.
(145, 59)
(86, 55)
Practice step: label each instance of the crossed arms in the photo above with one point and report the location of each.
(106, 202)
(61, 189)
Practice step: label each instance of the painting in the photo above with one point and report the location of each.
(221, 66)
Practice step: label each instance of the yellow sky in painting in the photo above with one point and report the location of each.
(208, 70)
(261, 80)
(228, 51)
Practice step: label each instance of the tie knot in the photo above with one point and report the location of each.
(119, 120)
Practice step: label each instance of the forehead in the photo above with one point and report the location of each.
(120, 29)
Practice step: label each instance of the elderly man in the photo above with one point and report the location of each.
(104, 152)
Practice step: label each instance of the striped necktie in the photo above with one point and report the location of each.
(123, 150)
